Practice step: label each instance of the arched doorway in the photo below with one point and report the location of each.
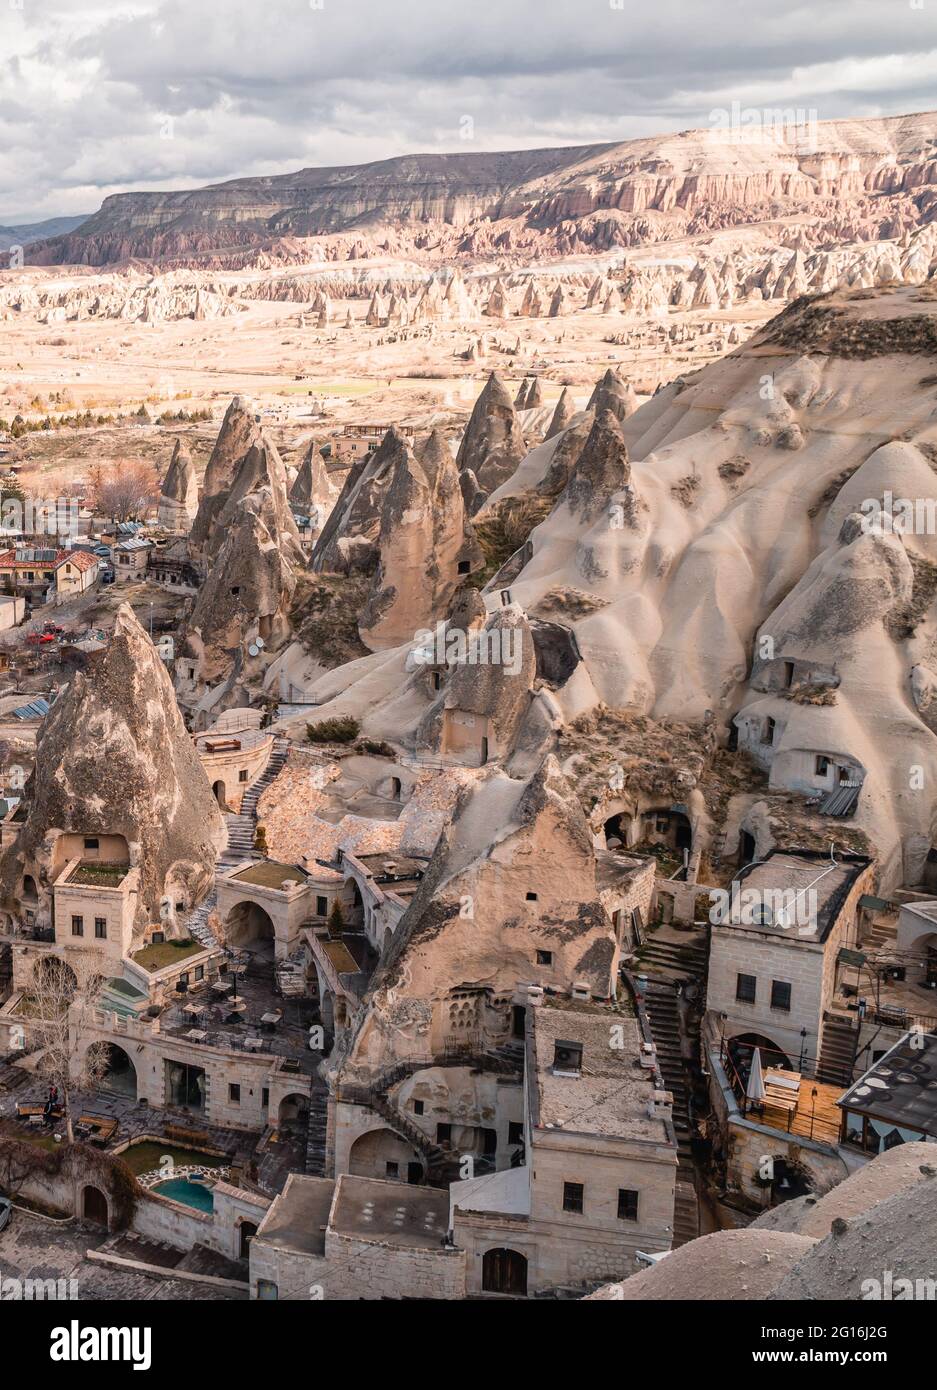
(219, 794)
(116, 1070)
(248, 926)
(94, 1206)
(294, 1112)
(617, 831)
(382, 1153)
(30, 891)
(504, 1271)
(248, 1231)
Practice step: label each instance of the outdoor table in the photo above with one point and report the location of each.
(255, 1044)
(197, 1034)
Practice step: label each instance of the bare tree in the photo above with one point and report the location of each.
(56, 1002)
(127, 492)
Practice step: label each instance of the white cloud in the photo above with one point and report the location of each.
(269, 87)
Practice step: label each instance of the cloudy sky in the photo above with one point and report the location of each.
(101, 97)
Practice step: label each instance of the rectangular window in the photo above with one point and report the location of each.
(265, 1097)
(242, 774)
(100, 928)
(781, 995)
(768, 735)
(444, 1134)
(627, 1204)
(234, 1093)
(322, 907)
(78, 926)
(745, 988)
(200, 972)
(515, 1132)
(91, 842)
(392, 1170)
(822, 766)
(544, 957)
(573, 1193)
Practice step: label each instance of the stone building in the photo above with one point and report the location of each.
(775, 948)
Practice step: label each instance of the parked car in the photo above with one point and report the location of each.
(108, 577)
(6, 1211)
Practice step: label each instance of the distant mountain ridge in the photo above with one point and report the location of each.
(882, 172)
(26, 233)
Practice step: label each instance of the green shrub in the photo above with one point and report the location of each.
(343, 729)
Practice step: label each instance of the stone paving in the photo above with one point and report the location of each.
(33, 1248)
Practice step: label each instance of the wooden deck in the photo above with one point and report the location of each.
(799, 1111)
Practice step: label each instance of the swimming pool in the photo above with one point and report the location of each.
(190, 1194)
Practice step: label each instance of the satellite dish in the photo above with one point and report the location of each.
(253, 649)
(259, 643)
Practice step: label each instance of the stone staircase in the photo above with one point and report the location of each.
(668, 961)
(242, 825)
(278, 757)
(663, 1013)
(196, 922)
(838, 1051)
(672, 960)
(316, 1133)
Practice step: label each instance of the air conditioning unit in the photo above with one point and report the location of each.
(535, 994)
(581, 992)
(648, 1055)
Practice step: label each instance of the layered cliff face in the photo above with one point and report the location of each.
(115, 761)
(588, 197)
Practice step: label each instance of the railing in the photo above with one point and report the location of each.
(807, 1068)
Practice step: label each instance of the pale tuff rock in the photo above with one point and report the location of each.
(114, 759)
(557, 303)
(597, 292)
(614, 394)
(520, 400)
(612, 303)
(505, 836)
(468, 612)
(534, 395)
(492, 681)
(239, 430)
(349, 538)
(493, 444)
(601, 470)
(261, 471)
(313, 491)
(246, 592)
(531, 307)
(423, 536)
(562, 414)
(569, 445)
(375, 315)
(178, 498)
(496, 308)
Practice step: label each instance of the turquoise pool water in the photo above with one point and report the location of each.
(192, 1194)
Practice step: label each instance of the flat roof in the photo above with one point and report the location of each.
(398, 1212)
(799, 875)
(298, 1217)
(901, 1088)
(610, 1095)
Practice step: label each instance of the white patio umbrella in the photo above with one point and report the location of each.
(755, 1090)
